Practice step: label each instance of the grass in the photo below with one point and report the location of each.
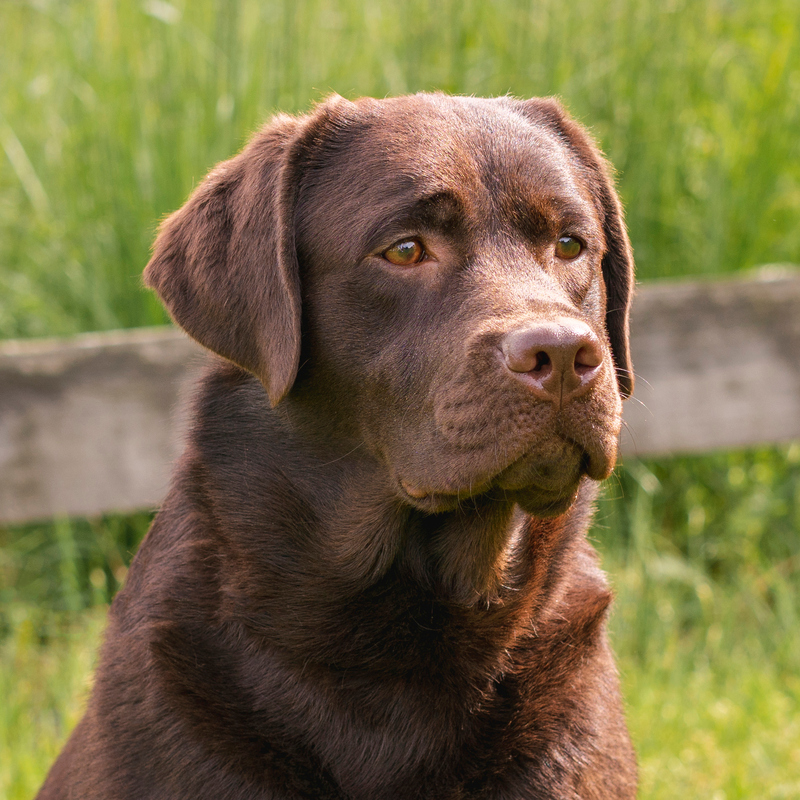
(112, 110)
(704, 625)
(706, 620)
(46, 661)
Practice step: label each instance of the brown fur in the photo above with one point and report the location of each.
(371, 578)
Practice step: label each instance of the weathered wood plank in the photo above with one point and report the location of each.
(91, 424)
(717, 365)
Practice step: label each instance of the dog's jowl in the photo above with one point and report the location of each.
(370, 577)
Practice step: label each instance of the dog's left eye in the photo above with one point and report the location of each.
(405, 253)
(568, 247)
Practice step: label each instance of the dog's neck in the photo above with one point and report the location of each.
(330, 586)
(318, 524)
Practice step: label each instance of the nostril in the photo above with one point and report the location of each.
(543, 363)
(522, 356)
(587, 360)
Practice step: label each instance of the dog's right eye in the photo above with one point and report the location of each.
(568, 247)
(405, 253)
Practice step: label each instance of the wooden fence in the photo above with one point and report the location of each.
(91, 424)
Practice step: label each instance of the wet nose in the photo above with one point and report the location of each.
(558, 359)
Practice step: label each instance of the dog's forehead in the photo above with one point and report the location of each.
(379, 157)
(448, 142)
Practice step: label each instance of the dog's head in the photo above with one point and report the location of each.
(444, 280)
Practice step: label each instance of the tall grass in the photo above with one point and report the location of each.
(704, 556)
(112, 110)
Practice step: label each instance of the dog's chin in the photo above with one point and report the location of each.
(534, 500)
(545, 487)
(540, 503)
(542, 487)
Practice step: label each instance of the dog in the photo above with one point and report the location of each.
(370, 577)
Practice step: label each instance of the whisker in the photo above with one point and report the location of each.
(640, 402)
(333, 461)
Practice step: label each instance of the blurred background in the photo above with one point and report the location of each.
(111, 111)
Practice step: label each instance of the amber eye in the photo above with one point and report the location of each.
(567, 247)
(405, 253)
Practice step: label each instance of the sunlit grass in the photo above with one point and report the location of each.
(716, 720)
(112, 110)
(704, 554)
(704, 624)
(46, 661)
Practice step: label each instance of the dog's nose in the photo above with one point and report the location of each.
(557, 359)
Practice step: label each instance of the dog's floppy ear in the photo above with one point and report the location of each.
(225, 264)
(618, 259)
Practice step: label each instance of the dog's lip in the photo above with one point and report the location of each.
(431, 503)
(413, 491)
(447, 495)
(440, 499)
(597, 461)
(594, 459)
(538, 500)
(549, 491)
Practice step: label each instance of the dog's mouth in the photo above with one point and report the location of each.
(544, 486)
(536, 500)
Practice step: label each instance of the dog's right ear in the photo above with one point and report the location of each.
(225, 264)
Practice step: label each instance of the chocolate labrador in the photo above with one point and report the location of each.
(370, 578)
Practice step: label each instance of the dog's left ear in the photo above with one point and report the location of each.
(225, 264)
(618, 260)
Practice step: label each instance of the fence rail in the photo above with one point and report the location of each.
(91, 424)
